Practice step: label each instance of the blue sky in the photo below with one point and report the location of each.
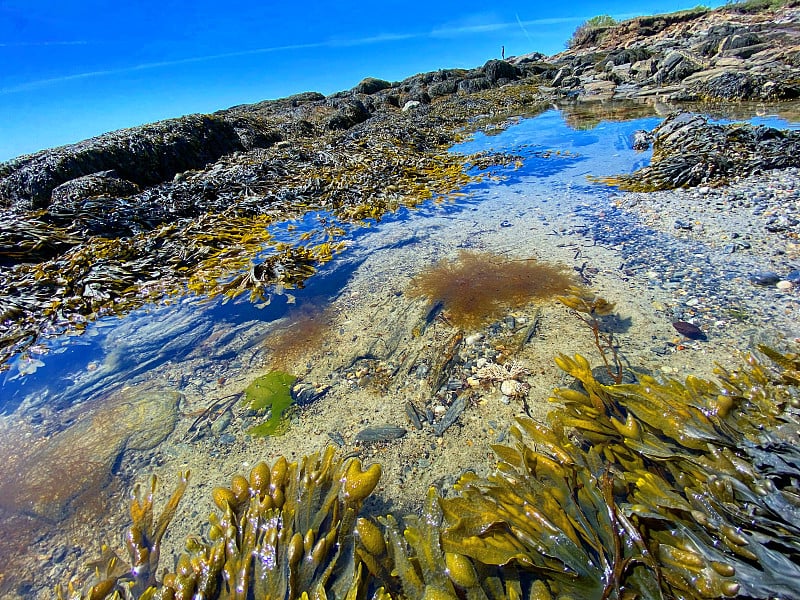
(74, 69)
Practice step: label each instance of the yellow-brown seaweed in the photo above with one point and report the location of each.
(657, 489)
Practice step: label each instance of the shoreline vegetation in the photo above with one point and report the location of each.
(650, 487)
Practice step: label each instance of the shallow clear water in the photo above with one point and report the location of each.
(557, 159)
(546, 208)
(68, 371)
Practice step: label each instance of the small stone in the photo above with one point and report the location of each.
(509, 387)
(764, 278)
(474, 338)
(380, 433)
(793, 277)
(689, 330)
(784, 285)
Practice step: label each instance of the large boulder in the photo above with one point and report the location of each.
(144, 155)
(102, 183)
(370, 85)
(500, 69)
(350, 112)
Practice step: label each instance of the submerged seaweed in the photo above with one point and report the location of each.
(207, 231)
(477, 287)
(272, 391)
(658, 489)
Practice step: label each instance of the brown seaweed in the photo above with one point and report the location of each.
(656, 489)
(207, 231)
(477, 287)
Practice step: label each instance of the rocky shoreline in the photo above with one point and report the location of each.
(103, 226)
(126, 217)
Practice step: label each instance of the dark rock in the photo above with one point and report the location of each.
(500, 69)
(793, 277)
(143, 155)
(602, 375)
(470, 86)
(689, 151)
(302, 98)
(350, 113)
(451, 416)
(764, 278)
(689, 330)
(533, 57)
(370, 85)
(306, 393)
(253, 138)
(676, 67)
(418, 94)
(380, 433)
(561, 74)
(102, 183)
(570, 82)
(642, 140)
(629, 55)
(443, 88)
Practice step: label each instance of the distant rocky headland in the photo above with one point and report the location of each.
(101, 226)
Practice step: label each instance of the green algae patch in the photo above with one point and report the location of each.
(273, 391)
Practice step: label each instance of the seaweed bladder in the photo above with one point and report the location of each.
(477, 287)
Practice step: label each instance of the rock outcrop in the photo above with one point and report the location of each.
(695, 55)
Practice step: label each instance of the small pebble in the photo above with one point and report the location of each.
(784, 285)
(380, 433)
(764, 278)
(473, 339)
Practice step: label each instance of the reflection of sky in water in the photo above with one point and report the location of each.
(571, 154)
(556, 156)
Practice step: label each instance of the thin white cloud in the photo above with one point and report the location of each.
(484, 27)
(41, 44)
(377, 39)
(40, 83)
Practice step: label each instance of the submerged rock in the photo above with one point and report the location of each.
(764, 278)
(76, 463)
